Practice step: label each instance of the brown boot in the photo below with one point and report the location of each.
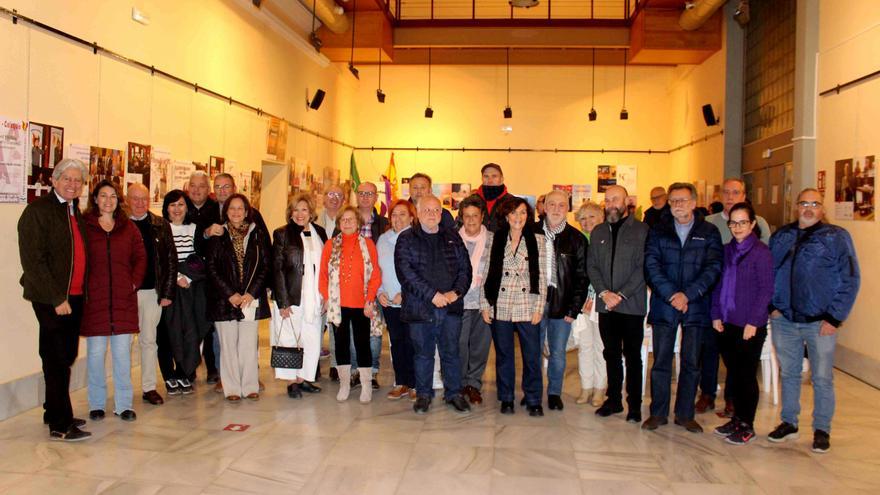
(705, 403)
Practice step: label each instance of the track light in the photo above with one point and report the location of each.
(313, 36)
(353, 70)
(593, 114)
(351, 67)
(624, 115)
(508, 113)
(429, 113)
(380, 96)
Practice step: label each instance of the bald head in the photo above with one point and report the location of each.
(138, 199)
(430, 211)
(615, 203)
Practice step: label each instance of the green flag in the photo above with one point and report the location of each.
(353, 174)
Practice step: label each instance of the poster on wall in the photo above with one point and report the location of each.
(844, 189)
(256, 188)
(160, 168)
(180, 176)
(82, 153)
(460, 190)
(138, 164)
(863, 199)
(46, 144)
(13, 160)
(568, 189)
(820, 182)
(216, 165)
(701, 193)
(276, 139)
(606, 176)
(105, 163)
(580, 194)
(627, 177)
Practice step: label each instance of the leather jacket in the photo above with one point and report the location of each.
(223, 280)
(166, 257)
(287, 262)
(572, 282)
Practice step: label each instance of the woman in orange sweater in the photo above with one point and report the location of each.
(350, 277)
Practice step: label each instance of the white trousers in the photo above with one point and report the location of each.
(591, 363)
(149, 314)
(287, 332)
(238, 357)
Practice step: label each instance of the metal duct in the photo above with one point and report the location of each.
(330, 13)
(695, 16)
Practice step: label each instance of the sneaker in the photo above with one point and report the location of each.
(412, 395)
(397, 392)
(743, 435)
(325, 353)
(821, 442)
(172, 387)
(785, 431)
(73, 434)
(185, 385)
(728, 428)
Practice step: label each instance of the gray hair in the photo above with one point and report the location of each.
(557, 192)
(67, 163)
(224, 175)
(683, 185)
(199, 173)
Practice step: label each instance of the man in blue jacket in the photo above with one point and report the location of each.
(683, 260)
(434, 270)
(816, 282)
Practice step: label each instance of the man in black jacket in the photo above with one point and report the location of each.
(615, 265)
(205, 214)
(659, 207)
(51, 242)
(567, 285)
(435, 273)
(156, 291)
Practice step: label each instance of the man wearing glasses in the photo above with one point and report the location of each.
(659, 206)
(816, 282)
(334, 197)
(733, 191)
(683, 260)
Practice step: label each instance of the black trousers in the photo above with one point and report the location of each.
(741, 357)
(208, 351)
(59, 345)
(402, 353)
(355, 324)
(622, 337)
(178, 351)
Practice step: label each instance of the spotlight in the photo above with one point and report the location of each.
(353, 70)
(624, 115)
(380, 96)
(593, 114)
(508, 113)
(315, 41)
(429, 113)
(315, 102)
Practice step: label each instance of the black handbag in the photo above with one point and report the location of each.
(290, 358)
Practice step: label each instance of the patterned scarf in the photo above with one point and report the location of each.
(334, 304)
(238, 235)
(549, 236)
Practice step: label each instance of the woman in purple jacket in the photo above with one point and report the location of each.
(739, 314)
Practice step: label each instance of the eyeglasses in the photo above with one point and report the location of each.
(740, 224)
(334, 195)
(655, 198)
(365, 194)
(809, 204)
(679, 201)
(224, 187)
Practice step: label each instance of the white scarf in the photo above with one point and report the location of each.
(310, 299)
(549, 236)
(479, 241)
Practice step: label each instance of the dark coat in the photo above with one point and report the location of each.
(692, 269)
(572, 282)
(45, 246)
(205, 216)
(223, 280)
(410, 261)
(117, 263)
(287, 262)
(817, 273)
(166, 256)
(627, 275)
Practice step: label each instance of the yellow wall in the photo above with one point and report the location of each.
(848, 42)
(100, 101)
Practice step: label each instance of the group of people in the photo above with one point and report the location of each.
(195, 282)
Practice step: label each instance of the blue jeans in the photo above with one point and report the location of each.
(441, 334)
(120, 351)
(789, 339)
(556, 332)
(661, 372)
(375, 350)
(505, 360)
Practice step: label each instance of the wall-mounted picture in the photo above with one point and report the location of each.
(256, 188)
(13, 160)
(138, 169)
(580, 194)
(160, 169)
(216, 165)
(607, 176)
(276, 139)
(46, 143)
(104, 163)
(844, 189)
(863, 199)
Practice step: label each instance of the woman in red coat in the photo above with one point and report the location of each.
(116, 266)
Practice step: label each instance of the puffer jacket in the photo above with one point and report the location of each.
(117, 263)
(223, 280)
(287, 262)
(693, 269)
(816, 273)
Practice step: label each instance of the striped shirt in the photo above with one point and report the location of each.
(183, 240)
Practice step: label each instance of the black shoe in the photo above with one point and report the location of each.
(172, 388)
(654, 422)
(743, 435)
(535, 411)
(334, 375)
(213, 377)
(73, 434)
(554, 402)
(460, 404)
(785, 431)
(690, 425)
(507, 407)
(423, 402)
(79, 423)
(375, 384)
(821, 442)
(294, 391)
(634, 417)
(96, 415)
(609, 408)
(728, 428)
(127, 415)
(309, 388)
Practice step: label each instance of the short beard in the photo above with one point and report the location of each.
(613, 215)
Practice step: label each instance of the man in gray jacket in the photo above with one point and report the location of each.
(615, 266)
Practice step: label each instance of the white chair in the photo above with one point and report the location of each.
(770, 367)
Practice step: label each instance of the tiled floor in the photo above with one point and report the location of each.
(316, 445)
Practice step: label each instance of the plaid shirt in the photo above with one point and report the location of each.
(367, 228)
(515, 301)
